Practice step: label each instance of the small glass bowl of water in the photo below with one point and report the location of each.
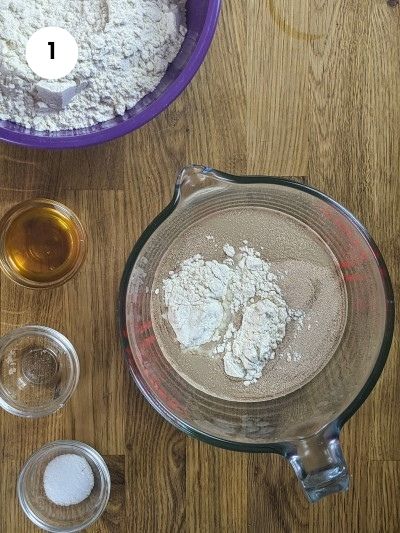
(57, 518)
(39, 371)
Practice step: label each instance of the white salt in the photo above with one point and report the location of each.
(68, 480)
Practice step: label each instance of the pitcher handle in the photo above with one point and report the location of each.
(319, 464)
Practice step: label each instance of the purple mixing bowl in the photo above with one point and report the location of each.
(202, 18)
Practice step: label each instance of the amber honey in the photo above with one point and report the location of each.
(42, 244)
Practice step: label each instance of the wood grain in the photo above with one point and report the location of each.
(308, 89)
(277, 87)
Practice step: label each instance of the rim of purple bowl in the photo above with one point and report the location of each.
(133, 123)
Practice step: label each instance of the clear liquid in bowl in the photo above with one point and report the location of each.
(312, 281)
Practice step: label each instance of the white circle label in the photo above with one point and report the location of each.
(52, 53)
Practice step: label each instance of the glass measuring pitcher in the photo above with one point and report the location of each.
(302, 426)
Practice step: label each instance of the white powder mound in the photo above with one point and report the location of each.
(194, 299)
(236, 304)
(125, 47)
(68, 479)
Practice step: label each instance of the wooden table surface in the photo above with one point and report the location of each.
(291, 88)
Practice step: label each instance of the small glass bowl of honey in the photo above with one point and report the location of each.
(42, 243)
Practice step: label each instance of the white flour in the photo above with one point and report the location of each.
(125, 47)
(235, 308)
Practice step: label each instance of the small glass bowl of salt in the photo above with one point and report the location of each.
(64, 486)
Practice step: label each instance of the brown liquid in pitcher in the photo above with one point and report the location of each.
(42, 244)
(310, 279)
